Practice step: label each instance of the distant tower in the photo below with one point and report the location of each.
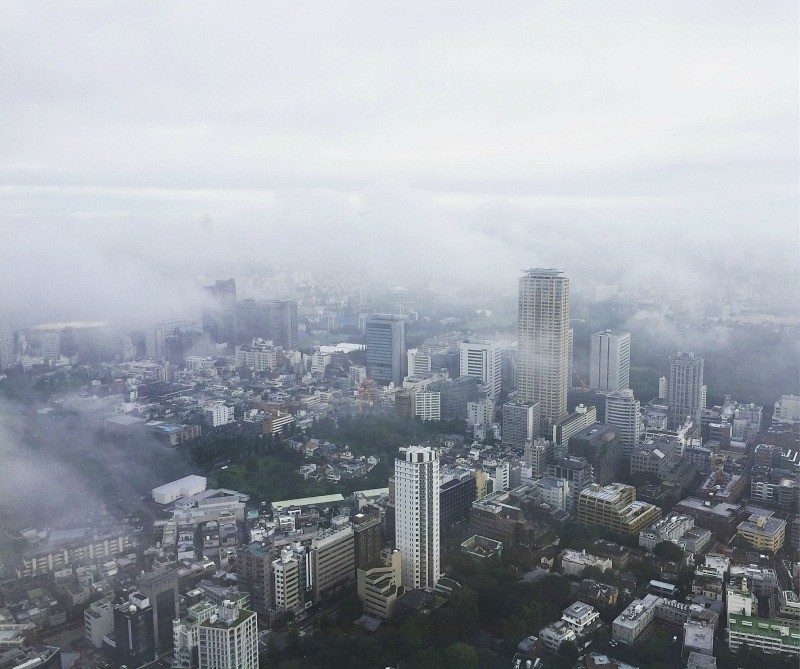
(416, 489)
(543, 341)
(622, 411)
(610, 360)
(685, 390)
(6, 344)
(482, 361)
(662, 388)
(386, 348)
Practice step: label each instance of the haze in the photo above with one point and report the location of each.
(145, 147)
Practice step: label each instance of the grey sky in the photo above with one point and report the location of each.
(468, 139)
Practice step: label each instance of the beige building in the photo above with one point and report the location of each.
(379, 587)
(615, 508)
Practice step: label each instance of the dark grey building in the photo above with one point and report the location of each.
(520, 422)
(161, 588)
(386, 348)
(600, 445)
(456, 496)
(219, 312)
(455, 393)
(267, 319)
(134, 633)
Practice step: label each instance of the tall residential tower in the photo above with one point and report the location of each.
(543, 341)
(610, 360)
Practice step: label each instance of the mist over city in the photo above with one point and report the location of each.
(442, 335)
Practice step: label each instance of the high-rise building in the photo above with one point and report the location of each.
(622, 411)
(599, 444)
(662, 388)
(288, 571)
(219, 312)
(685, 389)
(416, 486)
(419, 363)
(367, 528)
(6, 344)
(571, 357)
(268, 319)
(134, 632)
(482, 361)
(543, 341)
(229, 639)
(573, 423)
(521, 422)
(161, 588)
(386, 348)
(610, 360)
(538, 453)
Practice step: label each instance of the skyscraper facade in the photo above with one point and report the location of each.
(543, 341)
(685, 389)
(6, 344)
(610, 360)
(386, 348)
(219, 312)
(268, 319)
(622, 411)
(416, 488)
(482, 361)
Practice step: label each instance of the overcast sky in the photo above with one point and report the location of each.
(431, 139)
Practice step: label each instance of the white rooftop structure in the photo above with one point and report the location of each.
(188, 485)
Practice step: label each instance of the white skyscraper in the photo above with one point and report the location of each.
(416, 486)
(229, 639)
(622, 411)
(543, 341)
(685, 388)
(482, 361)
(6, 344)
(662, 388)
(610, 360)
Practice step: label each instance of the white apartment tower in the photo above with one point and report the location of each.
(482, 361)
(622, 411)
(416, 487)
(543, 341)
(685, 389)
(229, 639)
(6, 344)
(610, 360)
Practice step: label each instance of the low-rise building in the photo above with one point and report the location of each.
(667, 529)
(698, 636)
(379, 586)
(555, 634)
(615, 508)
(581, 618)
(632, 624)
(574, 563)
(763, 533)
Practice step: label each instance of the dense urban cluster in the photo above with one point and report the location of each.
(344, 483)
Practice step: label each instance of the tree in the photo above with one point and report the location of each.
(460, 656)
(667, 550)
(569, 649)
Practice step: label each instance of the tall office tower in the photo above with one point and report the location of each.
(482, 361)
(268, 319)
(229, 639)
(133, 631)
(610, 360)
(520, 422)
(219, 312)
(543, 341)
(622, 411)
(386, 348)
(662, 388)
(161, 588)
(685, 389)
(416, 493)
(6, 344)
(156, 337)
(333, 558)
(254, 569)
(419, 363)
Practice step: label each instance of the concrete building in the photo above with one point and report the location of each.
(98, 621)
(418, 363)
(609, 360)
(581, 618)
(554, 634)
(270, 320)
(379, 586)
(670, 529)
(188, 485)
(457, 492)
(685, 389)
(260, 356)
(537, 456)
(367, 536)
(615, 508)
(333, 559)
(216, 414)
(428, 406)
(543, 342)
(576, 471)
(254, 571)
(763, 533)
(386, 348)
(556, 493)
(288, 572)
(417, 517)
(631, 625)
(482, 361)
(7, 358)
(698, 636)
(744, 626)
(622, 411)
(574, 563)
(521, 422)
(219, 312)
(229, 639)
(578, 420)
